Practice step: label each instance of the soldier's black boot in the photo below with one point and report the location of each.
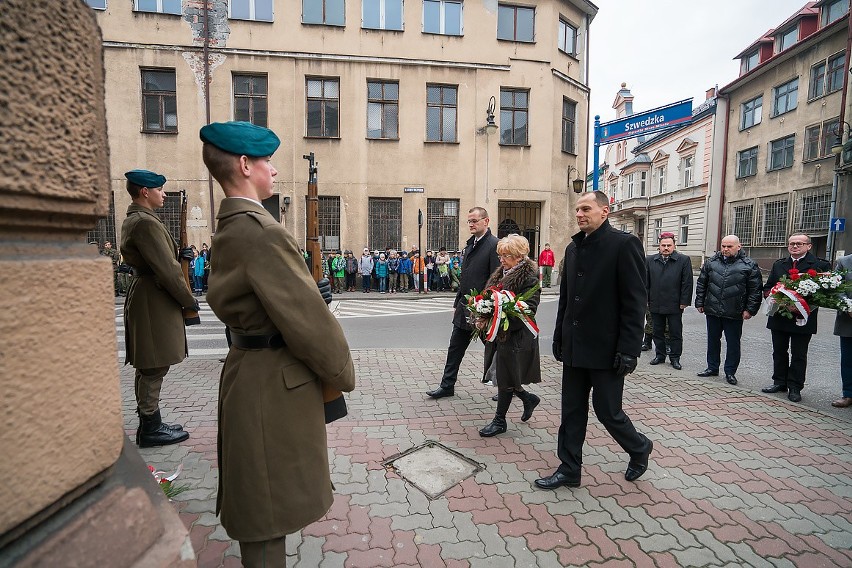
(152, 432)
(498, 425)
(530, 402)
(175, 427)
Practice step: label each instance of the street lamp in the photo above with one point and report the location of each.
(490, 125)
(842, 128)
(578, 182)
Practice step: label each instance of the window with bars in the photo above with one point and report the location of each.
(786, 97)
(567, 37)
(385, 223)
(442, 17)
(170, 213)
(323, 108)
(381, 14)
(104, 228)
(250, 99)
(747, 162)
(684, 230)
(328, 213)
(781, 152)
(514, 111)
(569, 126)
(258, 10)
(515, 23)
(157, 6)
(751, 112)
(819, 137)
(159, 100)
(813, 210)
(772, 222)
(383, 109)
(442, 224)
(327, 12)
(742, 224)
(441, 111)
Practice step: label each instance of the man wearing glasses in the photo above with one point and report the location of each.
(480, 260)
(788, 369)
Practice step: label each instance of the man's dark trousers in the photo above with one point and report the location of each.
(459, 340)
(733, 329)
(607, 390)
(675, 338)
(789, 371)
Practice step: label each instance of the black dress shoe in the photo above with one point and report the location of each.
(795, 395)
(639, 465)
(732, 380)
(774, 388)
(495, 397)
(708, 373)
(657, 360)
(646, 347)
(676, 363)
(558, 479)
(440, 392)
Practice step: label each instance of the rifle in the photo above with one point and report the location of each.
(190, 316)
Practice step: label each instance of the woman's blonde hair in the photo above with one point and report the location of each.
(513, 244)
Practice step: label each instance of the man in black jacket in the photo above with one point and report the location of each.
(788, 373)
(479, 261)
(727, 293)
(669, 293)
(598, 336)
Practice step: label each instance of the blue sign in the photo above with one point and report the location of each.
(837, 225)
(650, 121)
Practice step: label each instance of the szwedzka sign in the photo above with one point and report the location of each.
(651, 121)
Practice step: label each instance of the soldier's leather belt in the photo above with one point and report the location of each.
(268, 341)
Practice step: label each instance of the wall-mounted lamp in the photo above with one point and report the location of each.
(842, 128)
(490, 126)
(286, 202)
(578, 182)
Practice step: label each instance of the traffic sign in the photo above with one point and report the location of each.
(837, 225)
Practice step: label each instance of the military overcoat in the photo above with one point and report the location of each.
(273, 455)
(154, 332)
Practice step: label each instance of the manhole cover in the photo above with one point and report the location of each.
(432, 468)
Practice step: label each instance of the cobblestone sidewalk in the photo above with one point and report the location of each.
(736, 478)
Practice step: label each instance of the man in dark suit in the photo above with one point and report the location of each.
(669, 293)
(598, 336)
(788, 368)
(479, 261)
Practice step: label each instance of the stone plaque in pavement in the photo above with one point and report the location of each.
(432, 468)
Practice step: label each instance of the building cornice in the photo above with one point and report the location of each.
(560, 75)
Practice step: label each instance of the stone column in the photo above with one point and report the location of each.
(74, 490)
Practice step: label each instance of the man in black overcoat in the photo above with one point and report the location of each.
(790, 341)
(598, 337)
(479, 261)
(669, 293)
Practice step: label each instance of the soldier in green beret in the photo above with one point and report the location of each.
(286, 345)
(154, 333)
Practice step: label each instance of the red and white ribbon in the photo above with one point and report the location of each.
(799, 302)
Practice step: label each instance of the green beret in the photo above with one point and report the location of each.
(241, 138)
(145, 178)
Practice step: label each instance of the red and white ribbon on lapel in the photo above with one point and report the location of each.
(799, 302)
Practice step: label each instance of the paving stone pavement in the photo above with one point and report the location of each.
(736, 478)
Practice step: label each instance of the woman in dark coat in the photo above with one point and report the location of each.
(513, 359)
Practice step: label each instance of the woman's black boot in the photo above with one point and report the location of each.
(498, 425)
(530, 402)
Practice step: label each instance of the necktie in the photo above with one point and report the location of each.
(795, 262)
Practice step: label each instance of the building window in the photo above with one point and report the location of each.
(441, 111)
(772, 223)
(382, 14)
(442, 223)
(819, 137)
(658, 229)
(631, 185)
(643, 182)
(442, 17)
(661, 179)
(743, 223)
(159, 100)
(752, 112)
(827, 76)
(832, 11)
(569, 126)
(813, 210)
(747, 162)
(158, 6)
(786, 39)
(514, 110)
(385, 223)
(567, 37)
(684, 230)
(323, 101)
(786, 96)
(258, 10)
(328, 12)
(97, 5)
(382, 110)
(749, 62)
(687, 166)
(781, 152)
(515, 23)
(104, 227)
(250, 99)
(170, 213)
(328, 214)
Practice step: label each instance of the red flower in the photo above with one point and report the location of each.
(812, 272)
(795, 276)
(793, 271)
(151, 468)
(478, 298)
(164, 481)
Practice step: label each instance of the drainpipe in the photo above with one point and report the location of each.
(832, 211)
(207, 106)
(724, 167)
(588, 84)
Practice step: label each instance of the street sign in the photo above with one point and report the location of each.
(647, 122)
(837, 225)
